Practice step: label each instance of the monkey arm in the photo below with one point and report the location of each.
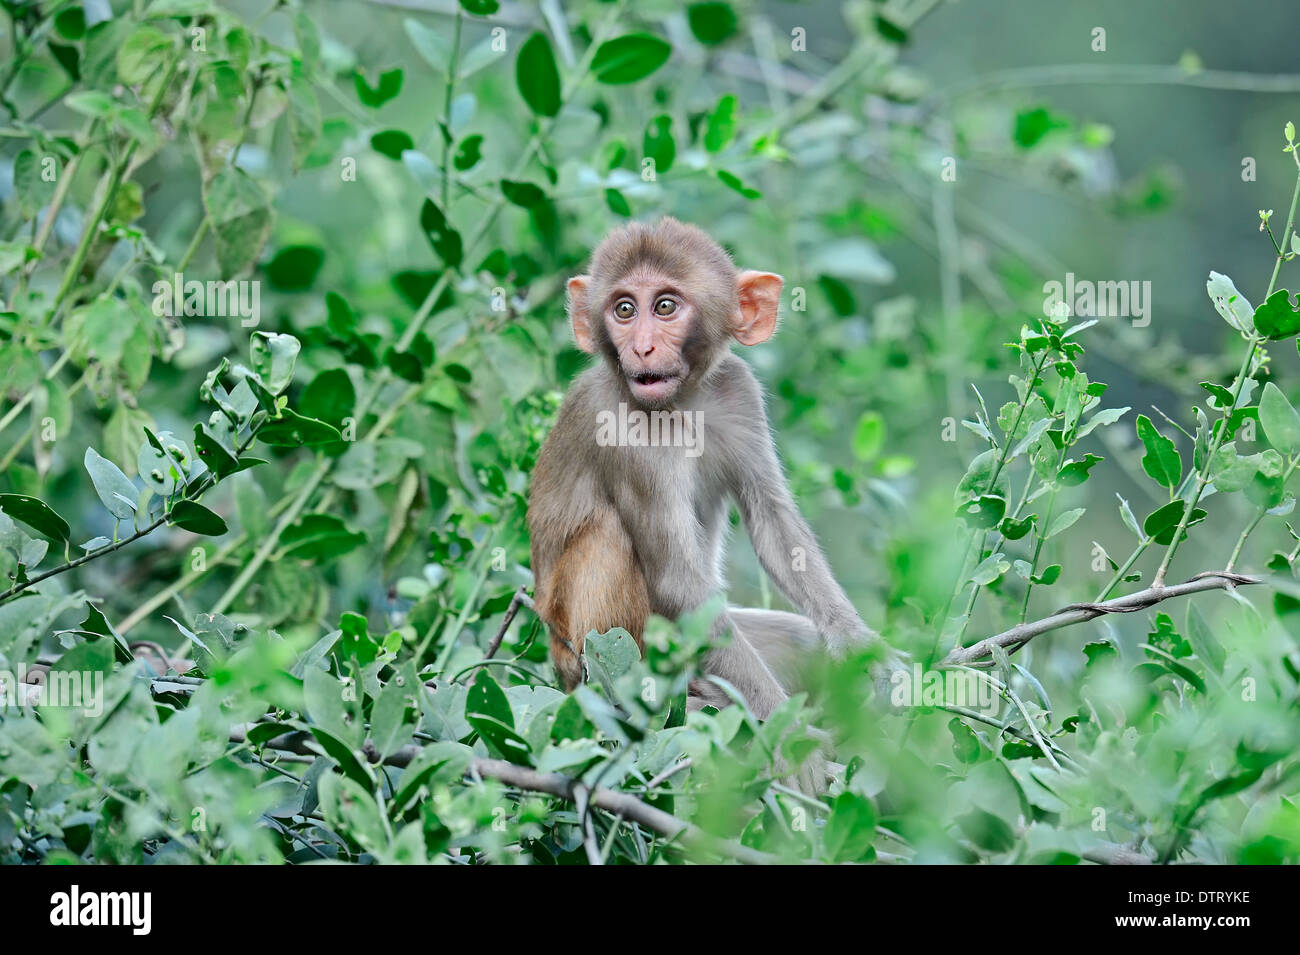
(785, 545)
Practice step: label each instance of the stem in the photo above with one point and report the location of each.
(977, 535)
(91, 230)
(446, 111)
(1249, 529)
(1124, 569)
(1217, 439)
(26, 399)
(1040, 533)
(453, 631)
(268, 545)
(209, 481)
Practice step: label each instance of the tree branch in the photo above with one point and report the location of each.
(554, 784)
(1068, 616)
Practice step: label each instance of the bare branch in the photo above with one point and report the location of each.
(520, 597)
(1018, 636)
(554, 784)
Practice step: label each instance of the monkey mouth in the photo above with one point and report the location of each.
(653, 385)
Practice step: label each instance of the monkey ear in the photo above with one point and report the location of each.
(580, 314)
(759, 298)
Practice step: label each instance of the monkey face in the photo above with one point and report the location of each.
(662, 302)
(648, 320)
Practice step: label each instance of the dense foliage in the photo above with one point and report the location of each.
(282, 520)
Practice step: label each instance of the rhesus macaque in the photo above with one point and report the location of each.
(624, 525)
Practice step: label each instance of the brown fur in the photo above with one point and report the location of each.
(619, 532)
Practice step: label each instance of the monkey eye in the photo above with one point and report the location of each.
(624, 309)
(665, 306)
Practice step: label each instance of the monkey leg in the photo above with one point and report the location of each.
(596, 584)
(767, 654)
(761, 661)
(785, 641)
(765, 661)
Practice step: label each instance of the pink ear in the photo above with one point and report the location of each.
(759, 297)
(580, 314)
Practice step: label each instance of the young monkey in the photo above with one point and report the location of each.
(624, 529)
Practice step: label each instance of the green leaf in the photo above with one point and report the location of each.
(537, 76)
(389, 729)
(1076, 472)
(480, 8)
(987, 831)
(990, 569)
(1229, 303)
(117, 491)
(330, 397)
(144, 52)
(197, 519)
(711, 23)
(37, 515)
(722, 125)
(1049, 576)
(523, 194)
(965, 744)
(392, 143)
(984, 512)
(430, 44)
(90, 103)
(389, 85)
(34, 182)
(320, 537)
(1277, 318)
(468, 153)
(614, 650)
(239, 211)
(1162, 522)
(658, 144)
(215, 446)
(1015, 530)
(1279, 420)
(851, 829)
(487, 709)
(617, 203)
(629, 58)
(445, 240)
(1034, 124)
(869, 436)
(1100, 419)
(292, 430)
(734, 182)
(97, 623)
(304, 118)
(1063, 521)
(1162, 460)
(295, 267)
(274, 357)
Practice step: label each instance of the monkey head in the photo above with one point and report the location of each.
(661, 303)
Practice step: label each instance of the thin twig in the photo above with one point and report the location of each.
(519, 597)
(1067, 616)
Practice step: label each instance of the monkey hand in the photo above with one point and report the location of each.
(848, 636)
(811, 776)
(887, 673)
